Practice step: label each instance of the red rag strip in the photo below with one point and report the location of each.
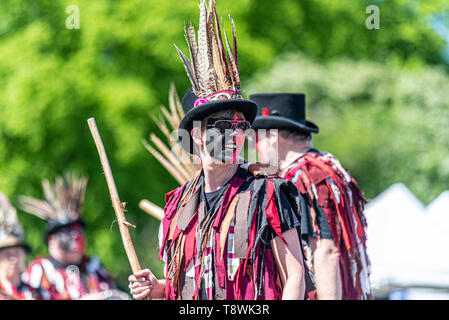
(271, 211)
(190, 241)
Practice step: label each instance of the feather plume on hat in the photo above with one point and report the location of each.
(9, 224)
(213, 65)
(178, 164)
(62, 201)
(213, 72)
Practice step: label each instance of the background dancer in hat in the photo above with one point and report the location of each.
(67, 273)
(226, 233)
(333, 223)
(13, 251)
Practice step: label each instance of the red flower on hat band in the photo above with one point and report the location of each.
(219, 95)
(265, 112)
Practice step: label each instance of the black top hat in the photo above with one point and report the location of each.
(202, 110)
(285, 111)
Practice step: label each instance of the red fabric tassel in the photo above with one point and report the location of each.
(171, 199)
(190, 241)
(271, 211)
(220, 264)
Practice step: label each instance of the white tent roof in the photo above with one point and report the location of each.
(438, 211)
(403, 245)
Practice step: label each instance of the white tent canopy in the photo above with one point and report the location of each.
(438, 212)
(404, 246)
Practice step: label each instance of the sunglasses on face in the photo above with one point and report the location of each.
(241, 126)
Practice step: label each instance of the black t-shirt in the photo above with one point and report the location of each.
(289, 217)
(212, 197)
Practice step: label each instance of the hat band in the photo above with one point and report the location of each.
(266, 112)
(219, 95)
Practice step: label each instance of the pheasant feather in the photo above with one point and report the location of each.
(62, 199)
(188, 67)
(213, 65)
(9, 224)
(189, 33)
(234, 67)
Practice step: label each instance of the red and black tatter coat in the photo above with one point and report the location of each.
(222, 250)
(56, 281)
(330, 189)
(22, 292)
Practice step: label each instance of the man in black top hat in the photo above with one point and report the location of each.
(333, 224)
(200, 263)
(226, 234)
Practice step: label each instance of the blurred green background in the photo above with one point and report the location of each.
(380, 97)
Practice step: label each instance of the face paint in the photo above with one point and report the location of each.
(225, 147)
(238, 141)
(72, 239)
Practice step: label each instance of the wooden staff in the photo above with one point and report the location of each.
(116, 203)
(152, 209)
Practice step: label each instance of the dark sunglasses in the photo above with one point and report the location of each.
(71, 230)
(241, 126)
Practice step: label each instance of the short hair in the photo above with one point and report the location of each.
(295, 135)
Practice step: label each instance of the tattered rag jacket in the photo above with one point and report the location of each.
(56, 281)
(222, 250)
(320, 177)
(22, 292)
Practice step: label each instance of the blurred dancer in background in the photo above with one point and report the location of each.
(67, 273)
(13, 251)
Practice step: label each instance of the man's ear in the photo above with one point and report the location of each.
(196, 134)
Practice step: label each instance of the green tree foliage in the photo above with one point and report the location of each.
(326, 29)
(117, 68)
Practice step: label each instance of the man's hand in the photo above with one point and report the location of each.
(144, 284)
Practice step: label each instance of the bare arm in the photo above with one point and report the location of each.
(289, 260)
(326, 267)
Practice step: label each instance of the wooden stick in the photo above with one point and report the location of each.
(152, 209)
(116, 203)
